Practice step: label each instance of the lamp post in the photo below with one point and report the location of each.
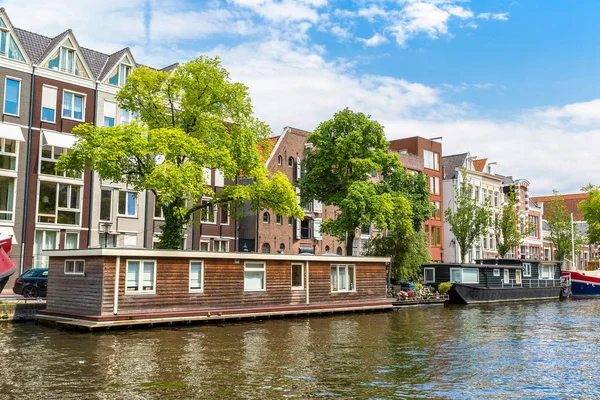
(106, 229)
(314, 242)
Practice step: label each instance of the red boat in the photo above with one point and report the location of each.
(584, 283)
(7, 266)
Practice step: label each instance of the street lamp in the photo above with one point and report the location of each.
(106, 229)
(314, 242)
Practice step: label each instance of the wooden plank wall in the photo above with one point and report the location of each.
(79, 294)
(224, 286)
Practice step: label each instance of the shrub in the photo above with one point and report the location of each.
(444, 287)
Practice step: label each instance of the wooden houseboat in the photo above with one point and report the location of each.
(108, 287)
(492, 280)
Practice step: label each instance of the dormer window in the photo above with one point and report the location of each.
(65, 59)
(8, 46)
(120, 74)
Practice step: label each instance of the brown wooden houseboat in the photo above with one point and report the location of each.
(109, 287)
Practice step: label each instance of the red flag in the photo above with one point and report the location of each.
(6, 244)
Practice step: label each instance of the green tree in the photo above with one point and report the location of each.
(506, 226)
(350, 168)
(559, 223)
(408, 252)
(468, 220)
(190, 119)
(591, 212)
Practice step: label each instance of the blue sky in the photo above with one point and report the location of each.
(512, 81)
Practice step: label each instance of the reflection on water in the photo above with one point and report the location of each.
(529, 350)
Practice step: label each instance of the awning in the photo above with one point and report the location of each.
(59, 139)
(6, 231)
(13, 132)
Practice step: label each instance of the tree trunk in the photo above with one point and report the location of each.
(349, 242)
(172, 229)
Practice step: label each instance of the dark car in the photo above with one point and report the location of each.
(32, 283)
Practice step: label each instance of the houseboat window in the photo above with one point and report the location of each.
(254, 276)
(527, 269)
(342, 278)
(518, 276)
(506, 276)
(470, 275)
(196, 276)
(429, 274)
(297, 276)
(496, 271)
(455, 275)
(75, 267)
(546, 271)
(141, 276)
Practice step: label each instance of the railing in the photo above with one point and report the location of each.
(530, 283)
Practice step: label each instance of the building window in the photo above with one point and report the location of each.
(290, 221)
(429, 274)
(434, 185)
(534, 225)
(7, 198)
(506, 279)
(436, 236)
(476, 193)
(8, 46)
(342, 278)
(208, 213)
(547, 253)
(73, 105)
(196, 276)
(278, 219)
(436, 214)
(431, 159)
(8, 154)
(48, 160)
(12, 94)
(305, 229)
(492, 242)
(523, 252)
(204, 245)
(105, 205)
(485, 242)
(297, 276)
(266, 248)
(254, 276)
(107, 241)
(546, 271)
(141, 277)
(526, 269)
(109, 121)
(75, 267)
(534, 253)
(120, 73)
(266, 217)
(66, 60)
(44, 240)
(127, 203)
(71, 240)
(224, 216)
(338, 251)
(221, 246)
(291, 162)
(59, 203)
(49, 96)
(496, 199)
(279, 160)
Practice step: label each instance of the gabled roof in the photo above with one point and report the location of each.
(95, 60)
(479, 165)
(52, 45)
(451, 163)
(112, 61)
(170, 67)
(33, 44)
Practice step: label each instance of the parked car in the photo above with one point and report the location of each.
(32, 283)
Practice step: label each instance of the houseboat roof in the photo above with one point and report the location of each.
(486, 266)
(131, 253)
(515, 261)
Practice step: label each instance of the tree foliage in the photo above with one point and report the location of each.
(468, 220)
(350, 168)
(591, 212)
(506, 226)
(559, 223)
(408, 252)
(190, 119)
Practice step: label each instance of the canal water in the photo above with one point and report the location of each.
(528, 350)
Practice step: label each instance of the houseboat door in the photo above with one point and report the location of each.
(518, 276)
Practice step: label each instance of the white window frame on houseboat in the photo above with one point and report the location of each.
(462, 274)
(496, 271)
(254, 267)
(301, 287)
(506, 277)
(527, 269)
(71, 267)
(542, 270)
(345, 286)
(201, 288)
(425, 275)
(140, 277)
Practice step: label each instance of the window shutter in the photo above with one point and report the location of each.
(317, 228)
(317, 206)
(298, 228)
(219, 178)
(49, 97)
(298, 168)
(110, 109)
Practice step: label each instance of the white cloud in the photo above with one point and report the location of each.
(340, 32)
(374, 41)
(584, 114)
(371, 12)
(285, 10)
(500, 16)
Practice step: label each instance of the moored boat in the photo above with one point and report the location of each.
(494, 280)
(584, 283)
(7, 266)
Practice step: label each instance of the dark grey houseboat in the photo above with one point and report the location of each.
(492, 280)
